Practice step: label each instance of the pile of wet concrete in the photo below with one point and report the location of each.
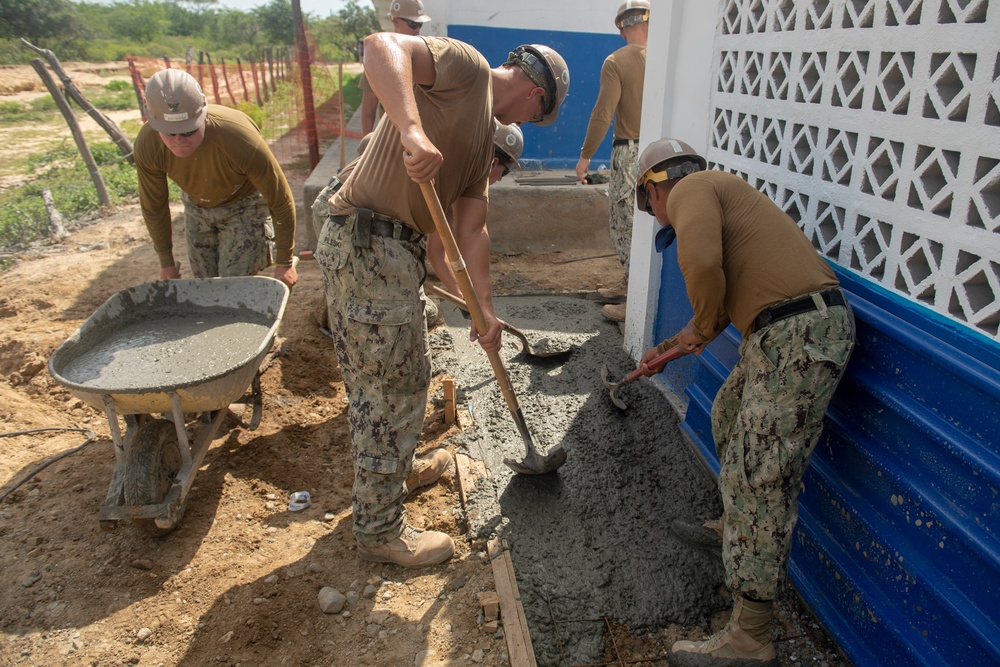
(589, 542)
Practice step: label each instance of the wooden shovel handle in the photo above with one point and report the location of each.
(471, 300)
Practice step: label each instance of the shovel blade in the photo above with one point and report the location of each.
(536, 464)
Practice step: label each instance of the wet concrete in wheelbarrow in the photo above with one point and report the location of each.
(590, 541)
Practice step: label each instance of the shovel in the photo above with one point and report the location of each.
(655, 365)
(534, 462)
(526, 347)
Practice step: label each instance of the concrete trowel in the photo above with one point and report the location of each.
(654, 366)
(534, 462)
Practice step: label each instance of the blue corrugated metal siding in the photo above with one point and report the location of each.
(555, 146)
(897, 548)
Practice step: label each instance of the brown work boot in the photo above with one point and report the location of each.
(413, 548)
(614, 294)
(614, 312)
(744, 642)
(428, 470)
(707, 536)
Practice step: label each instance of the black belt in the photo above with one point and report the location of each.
(624, 142)
(379, 225)
(797, 306)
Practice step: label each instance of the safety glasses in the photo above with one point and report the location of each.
(183, 134)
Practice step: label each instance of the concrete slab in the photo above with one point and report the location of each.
(590, 541)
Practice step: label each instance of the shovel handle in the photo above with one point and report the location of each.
(471, 300)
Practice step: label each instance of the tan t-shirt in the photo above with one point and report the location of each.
(232, 162)
(620, 96)
(739, 252)
(457, 116)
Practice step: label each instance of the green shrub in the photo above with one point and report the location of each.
(118, 85)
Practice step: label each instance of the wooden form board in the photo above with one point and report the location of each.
(515, 626)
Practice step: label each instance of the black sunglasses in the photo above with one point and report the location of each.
(413, 24)
(183, 134)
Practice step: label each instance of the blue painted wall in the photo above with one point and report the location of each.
(897, 548)
(556, 146)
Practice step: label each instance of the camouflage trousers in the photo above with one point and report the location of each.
(766, 420)
(233, 240)
(380, 335)
(621, 198)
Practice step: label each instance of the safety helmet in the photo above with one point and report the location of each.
(175, 103)
(547, 69)
(509, 140)
(408, 10)
(658, 152)
(639, 13)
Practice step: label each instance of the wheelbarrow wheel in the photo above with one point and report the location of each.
(151, 465)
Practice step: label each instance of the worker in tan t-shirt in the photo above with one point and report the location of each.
(237, 202)
(408, 17)
(745, 261)
(620, 96)
(372, 247)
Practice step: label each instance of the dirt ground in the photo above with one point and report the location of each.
(238, 582)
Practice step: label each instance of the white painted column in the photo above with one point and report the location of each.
(676, 104)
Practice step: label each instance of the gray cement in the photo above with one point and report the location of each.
(591, 540)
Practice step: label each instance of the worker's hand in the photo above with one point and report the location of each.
(689, 342)
(581, 169)
(422, 158)
(287, 275)
(647, 357)
(170, 272)
(493, 339)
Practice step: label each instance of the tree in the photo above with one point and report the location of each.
(358, 22)
(276, 19)
(38, 20)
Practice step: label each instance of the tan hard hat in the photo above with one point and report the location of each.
(640, 13)
(174, 102)
(409, 10)
(658, 152)
(547, 69)
(510, 140)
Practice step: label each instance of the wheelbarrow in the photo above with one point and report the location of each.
(159, 354)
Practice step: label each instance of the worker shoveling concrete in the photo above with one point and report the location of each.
(590, 540)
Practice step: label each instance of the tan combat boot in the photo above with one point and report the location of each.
(744, 642)
(614, 294)
(428, 470)
(614, 312)
(413, 548)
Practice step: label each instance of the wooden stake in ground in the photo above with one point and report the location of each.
(108, 125)
(74, 127)
(55, 218)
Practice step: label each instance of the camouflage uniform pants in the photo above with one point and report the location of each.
(380, 334)
(621, 198)
(766, 420)
(233, 240)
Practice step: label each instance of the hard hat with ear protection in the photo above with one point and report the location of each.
(662, 151)
(632, 12)
(547, 69)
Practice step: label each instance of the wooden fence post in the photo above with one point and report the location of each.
(215, 78)
(307, 91)
(108, 125)
(256, 82)
(243, 81)
(225, 80)
(74, 127)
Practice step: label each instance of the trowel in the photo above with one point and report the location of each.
(655, 365)
(534, 462)
(540, 350)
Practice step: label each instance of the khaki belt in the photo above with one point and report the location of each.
(797, 306)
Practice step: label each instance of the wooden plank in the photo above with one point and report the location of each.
(515, 626)
(449, 399)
